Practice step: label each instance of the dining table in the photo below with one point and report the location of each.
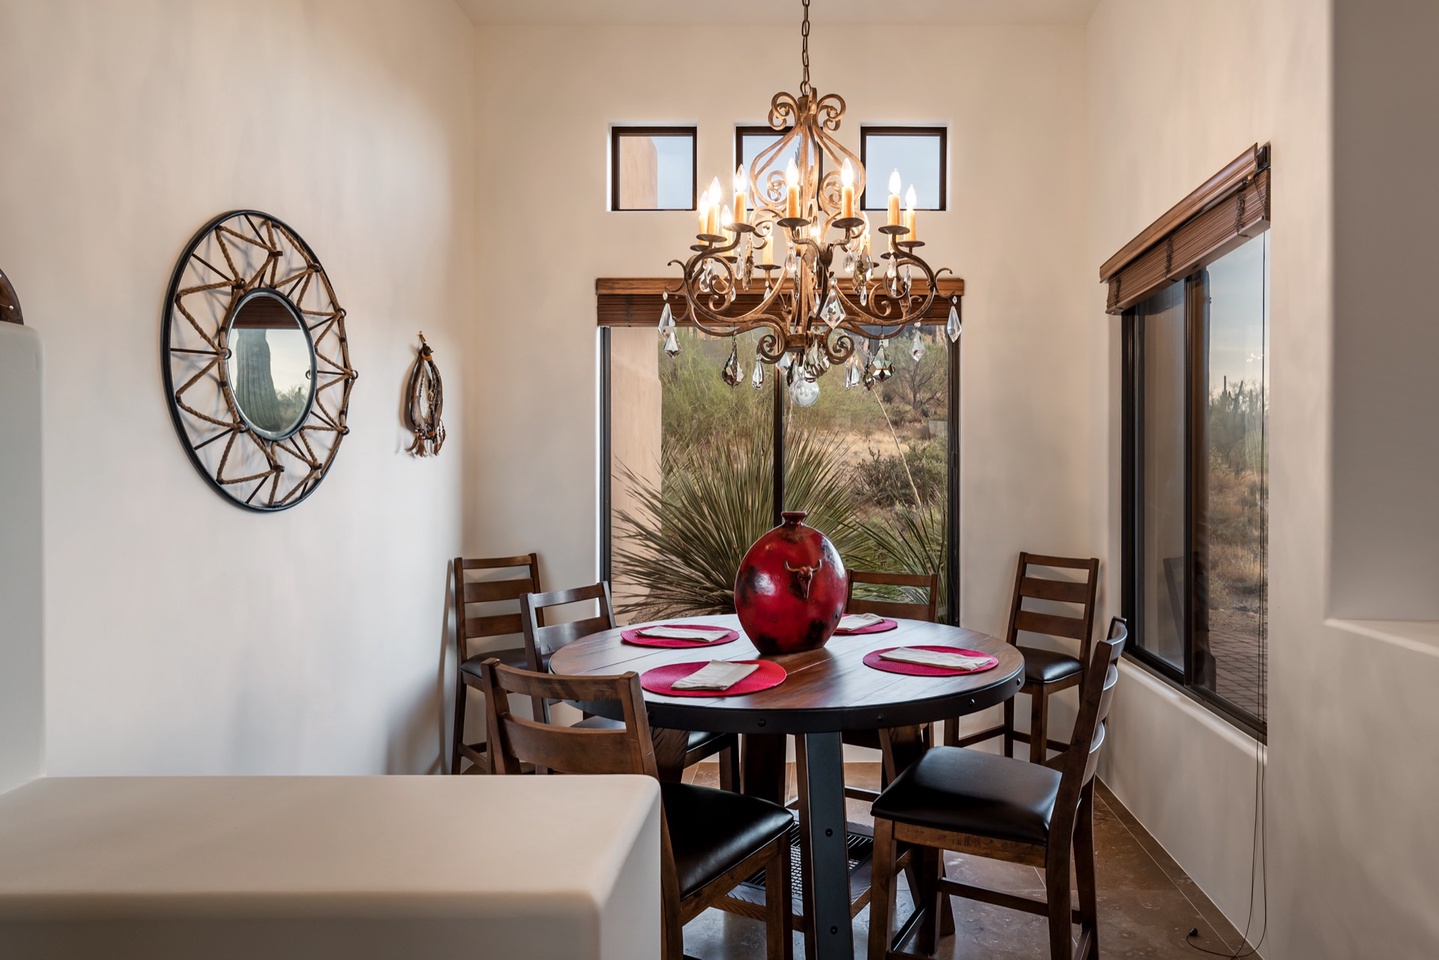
(826, 692)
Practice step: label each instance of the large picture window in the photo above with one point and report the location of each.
(695, 470)
(1196, 412)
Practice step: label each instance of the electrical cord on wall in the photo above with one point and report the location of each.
(1258, 848)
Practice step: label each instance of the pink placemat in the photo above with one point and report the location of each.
(883, 626)
(662, 679)
(874, 659)
(633, 635)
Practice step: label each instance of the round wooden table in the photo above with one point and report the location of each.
(826, 692)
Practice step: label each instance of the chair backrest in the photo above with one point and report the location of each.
(906, 609)
(490, 620)
(541, 639)
(1076, 593)
(1078, 763)
(515, 740)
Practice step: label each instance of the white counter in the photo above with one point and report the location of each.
(317, 867)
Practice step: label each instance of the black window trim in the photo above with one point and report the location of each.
(905, 130)
(677, 130)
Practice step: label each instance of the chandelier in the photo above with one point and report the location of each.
(827, 299)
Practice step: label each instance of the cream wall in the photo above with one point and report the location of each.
(185, 635)
(1013, 99)
(1177, 88)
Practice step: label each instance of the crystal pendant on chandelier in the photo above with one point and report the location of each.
(804, 392)
(758, 377)
(906, 280)
(879, 369)
(667, 317)
(832, 312)
(672, 346)
(733, 373)
(953, 328)
(784, 362)
(916, 349)
(852, 374)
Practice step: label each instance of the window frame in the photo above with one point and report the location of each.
(617, 131)
(953, 349)
(1185, 679)
(904, 130)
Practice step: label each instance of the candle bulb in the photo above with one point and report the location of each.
(704, 211)
(894, 183)
(791, 178)
(727, 224)
(741, 187)
(846, 179)
(767, 257)
(909, 223)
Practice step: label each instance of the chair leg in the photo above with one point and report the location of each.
(461, 695)
(729, 768)
(881, 899)
(1084, 869)
(1039, 725)
(779, 920)
(1009, 727)
(928, 897)
(1056, 891)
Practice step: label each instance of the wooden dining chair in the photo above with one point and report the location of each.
(1005, 809)
(906, 607)
(543, 639)
(1046, 671)
(492, 595)
(711, 840)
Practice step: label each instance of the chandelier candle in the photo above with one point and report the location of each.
(894, 184)
(740, 188)
(909, 199)
(846, 177)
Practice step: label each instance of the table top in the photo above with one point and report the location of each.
(826, 690)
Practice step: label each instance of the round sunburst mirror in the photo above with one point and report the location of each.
(256, 364)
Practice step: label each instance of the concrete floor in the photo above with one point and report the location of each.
(1146, 903)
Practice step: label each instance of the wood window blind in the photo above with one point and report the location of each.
(637, 303)
(1229, 208)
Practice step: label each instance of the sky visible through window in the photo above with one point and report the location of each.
(674, 172)
(918, 160)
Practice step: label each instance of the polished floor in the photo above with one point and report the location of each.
(1146, 903)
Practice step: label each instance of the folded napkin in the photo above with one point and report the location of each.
(716, 675)
(931, 658)
(704, 634)
(858, 621)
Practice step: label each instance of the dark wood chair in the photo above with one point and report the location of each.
(711, 840)
(1005, 809)
(904, 607)
(1046, 672)
(496, 615)
(543, 639)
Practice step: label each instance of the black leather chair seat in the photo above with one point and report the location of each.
(713, 830)
(967, 791)
(1046, 666)
(514, 657)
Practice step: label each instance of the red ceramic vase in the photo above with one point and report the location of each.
(790, 591)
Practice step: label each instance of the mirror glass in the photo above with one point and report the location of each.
(272, 364)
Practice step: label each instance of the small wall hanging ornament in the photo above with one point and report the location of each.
(424, 402)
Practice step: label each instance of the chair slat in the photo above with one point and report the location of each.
(498, 626)
(551, 637)
(890, 608)
(488, 591)
(494, 563)
(1067, 591)
(1052, 624)
(570, 749)
(902, 609)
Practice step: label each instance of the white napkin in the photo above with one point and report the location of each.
(858, 621)
(716, 675)
(705, 634)
(931, 658)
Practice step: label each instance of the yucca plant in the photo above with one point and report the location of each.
(682, 545)
(903, 540)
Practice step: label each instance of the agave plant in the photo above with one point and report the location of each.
(683, 543)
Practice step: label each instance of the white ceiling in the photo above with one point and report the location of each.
(777, 11)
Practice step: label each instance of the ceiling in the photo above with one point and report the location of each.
(777, 11)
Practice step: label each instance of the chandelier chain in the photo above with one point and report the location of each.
(804, 88)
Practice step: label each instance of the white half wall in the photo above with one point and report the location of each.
(184, 635)
(22, 654)
(1013, 100)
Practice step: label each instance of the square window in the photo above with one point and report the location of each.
(749, 141)
(652, 168)
(918, 153)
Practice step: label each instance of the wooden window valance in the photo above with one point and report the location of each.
(1231, 207)
(637, 303)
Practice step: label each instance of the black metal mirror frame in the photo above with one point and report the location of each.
(9, 302)
(234, 258)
